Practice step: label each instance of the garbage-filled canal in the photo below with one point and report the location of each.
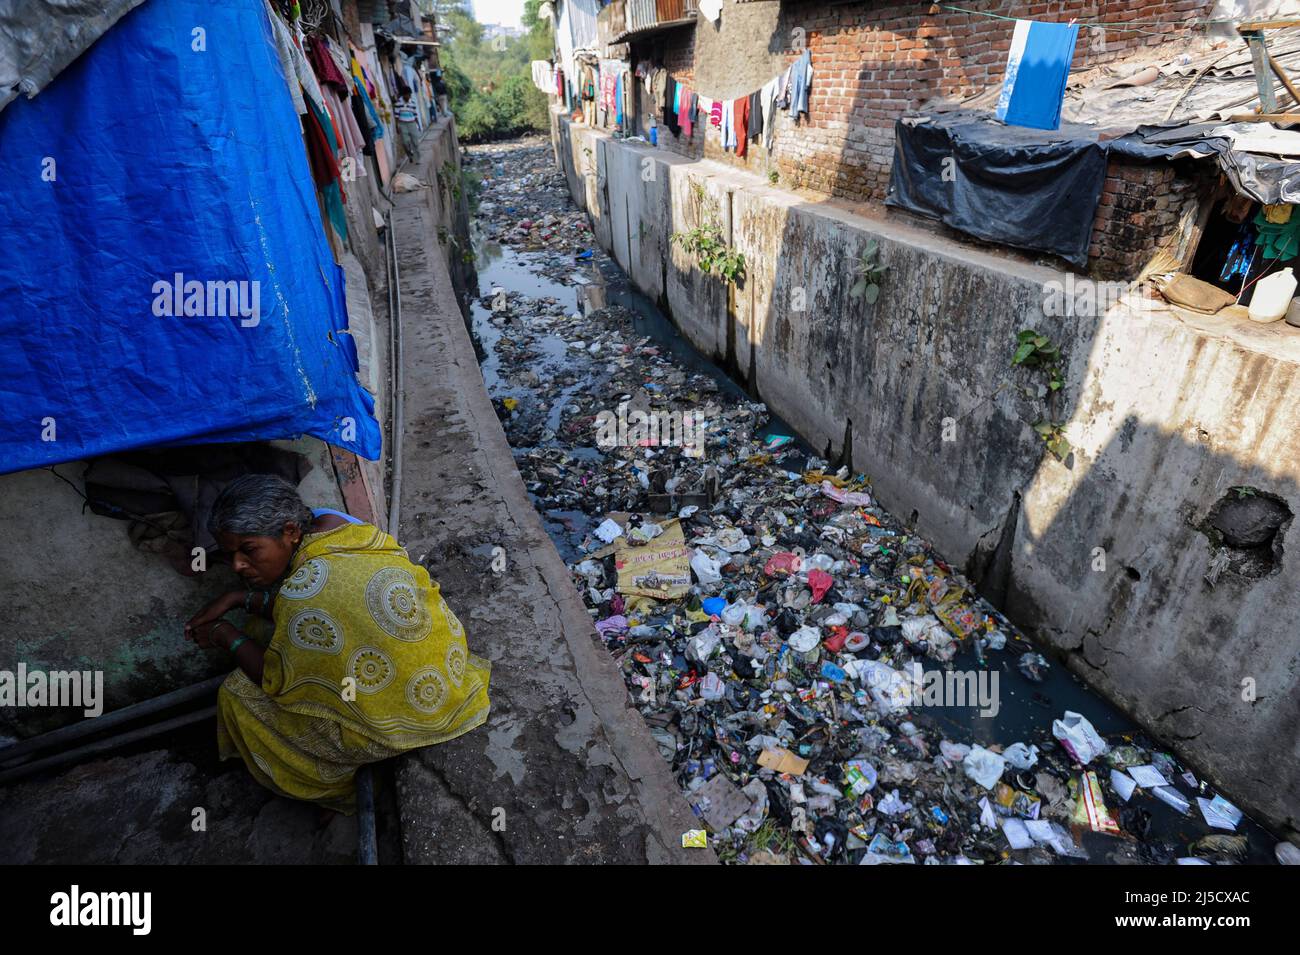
(826, 688)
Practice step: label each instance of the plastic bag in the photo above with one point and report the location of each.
(984, 766)
(708, 570)
(1078, 737)
(1021, 756)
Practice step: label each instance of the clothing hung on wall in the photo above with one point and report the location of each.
(1038, 65)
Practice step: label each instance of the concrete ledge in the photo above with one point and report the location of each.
(564, 764)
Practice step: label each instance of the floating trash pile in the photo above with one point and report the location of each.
(825, 686)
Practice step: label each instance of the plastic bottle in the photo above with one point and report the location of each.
(1272, 296)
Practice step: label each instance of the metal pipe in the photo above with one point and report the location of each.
(367, 841)
(367, 849)
(76, 731)
(104, 745)
(398, 380)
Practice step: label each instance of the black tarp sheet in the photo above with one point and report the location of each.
(1021, 187)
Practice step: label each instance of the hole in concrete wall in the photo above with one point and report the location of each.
(1248, 525)
(1133, 573)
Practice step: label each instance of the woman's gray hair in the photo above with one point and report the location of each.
(259, 505)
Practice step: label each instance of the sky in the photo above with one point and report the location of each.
(505, 12)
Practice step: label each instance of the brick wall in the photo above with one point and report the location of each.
(1140, 211)
(872, 62)
(351, 19)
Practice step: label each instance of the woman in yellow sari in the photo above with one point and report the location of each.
(365, 660)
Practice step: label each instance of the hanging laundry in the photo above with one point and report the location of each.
(741, 109)
(327, 70)
(1038, 65)
(715, 112)
(658, 84)
(685, 112)
(291, 60)
(767, 101)
(801, 76)
(321, 152)
(669, 108)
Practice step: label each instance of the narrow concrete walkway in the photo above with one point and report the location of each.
(565, 770)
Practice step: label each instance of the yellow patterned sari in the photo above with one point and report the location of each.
(366, 661)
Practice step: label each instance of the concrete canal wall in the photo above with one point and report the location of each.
(1103, 555)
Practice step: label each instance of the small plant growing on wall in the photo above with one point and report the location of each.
(711, 252)
(1035, 350)
(868, 273)
(449, 182)
(773, 177)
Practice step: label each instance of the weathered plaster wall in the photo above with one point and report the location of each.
(750, 29)
(1164, 419)
(77, 595)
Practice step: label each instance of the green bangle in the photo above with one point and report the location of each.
(234, 645)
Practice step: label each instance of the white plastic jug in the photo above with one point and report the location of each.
(1272, 296)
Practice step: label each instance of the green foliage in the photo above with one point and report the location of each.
(870, 274)
(489, 82)
(711, 251)
(1036, 350)
(1053, 436)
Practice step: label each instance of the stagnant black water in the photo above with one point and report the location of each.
(1026, 707)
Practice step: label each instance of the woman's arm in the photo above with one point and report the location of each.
(260, 602)
(213, 611)
(248, 654)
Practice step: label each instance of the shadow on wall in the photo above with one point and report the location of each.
(1167, 574)
(1104, 553)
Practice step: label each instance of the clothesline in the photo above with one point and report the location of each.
(1088, 21)
(739, 119)
(1127, 26)
(723, 99)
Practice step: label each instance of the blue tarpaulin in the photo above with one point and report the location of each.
(165, 277)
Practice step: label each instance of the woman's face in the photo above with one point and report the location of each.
(261, 561)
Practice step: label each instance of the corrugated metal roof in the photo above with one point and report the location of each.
(1176, 82)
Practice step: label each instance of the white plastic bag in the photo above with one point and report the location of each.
(804, 639)
(1021, 756)
(708, 570)
(984, 766)
(1079, 738)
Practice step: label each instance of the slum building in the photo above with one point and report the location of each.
(171, 330)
